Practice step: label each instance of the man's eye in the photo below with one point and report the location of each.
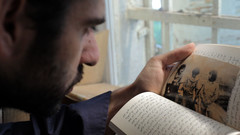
(94, 28)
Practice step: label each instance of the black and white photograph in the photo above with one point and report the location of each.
(203, 85)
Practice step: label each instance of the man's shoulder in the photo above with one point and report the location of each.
(18, 128)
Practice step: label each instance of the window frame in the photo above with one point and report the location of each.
(166, 16)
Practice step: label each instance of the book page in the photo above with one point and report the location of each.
(208, 83)
(234, 106)
(151, 114)
(225, 53)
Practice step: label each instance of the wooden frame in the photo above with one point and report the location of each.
(150, 48)
(112, 77)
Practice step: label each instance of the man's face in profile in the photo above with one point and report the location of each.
(48, 67)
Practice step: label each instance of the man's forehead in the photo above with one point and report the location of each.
(90, 11)
(92, 6)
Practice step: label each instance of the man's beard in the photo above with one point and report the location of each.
(37, 93)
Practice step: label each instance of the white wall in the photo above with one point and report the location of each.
(129, 49)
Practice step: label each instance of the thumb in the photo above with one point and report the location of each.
(177, 54)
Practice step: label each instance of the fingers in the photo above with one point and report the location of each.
(177, 54)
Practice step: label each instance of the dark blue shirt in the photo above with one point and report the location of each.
(88, 118)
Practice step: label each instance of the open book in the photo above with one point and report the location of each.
(201, 96)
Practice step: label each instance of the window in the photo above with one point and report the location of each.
(141, 29)
(199, 21)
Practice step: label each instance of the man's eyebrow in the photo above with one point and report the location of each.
(95, 21)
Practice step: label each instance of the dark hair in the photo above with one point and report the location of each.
(195, 71)
(181, 67)
(48, 17)
(47, 13)
(213, 77)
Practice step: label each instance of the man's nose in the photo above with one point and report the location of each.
(90, 53)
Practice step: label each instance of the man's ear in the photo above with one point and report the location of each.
(10, 14)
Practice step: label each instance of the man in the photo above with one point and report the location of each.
(190, 89)
(173, 88)
(208, 96)
(43, 45)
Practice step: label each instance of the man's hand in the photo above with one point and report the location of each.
(155, 73)
(152, 79)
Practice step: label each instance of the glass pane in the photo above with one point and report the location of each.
(230, 7)
(184, 34)
(227, 36)
(192, 6)
(157, 31)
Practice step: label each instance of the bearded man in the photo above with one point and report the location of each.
(43, 46)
